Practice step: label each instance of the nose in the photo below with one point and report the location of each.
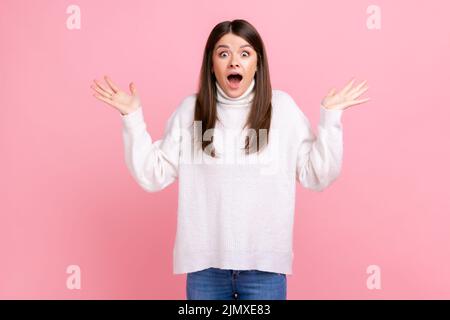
(234, 62)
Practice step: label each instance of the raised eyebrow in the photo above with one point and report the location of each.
(226, 46)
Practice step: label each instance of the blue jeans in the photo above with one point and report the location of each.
(227, 284)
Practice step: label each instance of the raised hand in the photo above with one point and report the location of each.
(345, 98)
(112, 95)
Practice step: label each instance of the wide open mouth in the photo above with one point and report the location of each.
(234, 78)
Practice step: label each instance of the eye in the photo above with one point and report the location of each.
(221, 54)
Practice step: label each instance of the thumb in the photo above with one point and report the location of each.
(133, 88)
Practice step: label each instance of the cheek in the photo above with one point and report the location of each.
(255, 63)
(217, 64)
(251, 65)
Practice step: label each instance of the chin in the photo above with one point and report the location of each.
(235, 93)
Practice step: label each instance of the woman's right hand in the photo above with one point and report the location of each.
(117, 98)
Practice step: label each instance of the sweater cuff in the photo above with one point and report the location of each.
(330, 117)
(133, 119)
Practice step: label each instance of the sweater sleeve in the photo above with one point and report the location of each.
(319, 158)
(152, 164)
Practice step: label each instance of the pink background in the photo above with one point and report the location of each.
(67, 197)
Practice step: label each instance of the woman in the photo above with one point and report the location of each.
(235, 205)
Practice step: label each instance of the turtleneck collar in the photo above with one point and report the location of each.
(243, 100)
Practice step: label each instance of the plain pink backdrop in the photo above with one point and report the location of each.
(67, 197)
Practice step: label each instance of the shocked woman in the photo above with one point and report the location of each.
(251, 144)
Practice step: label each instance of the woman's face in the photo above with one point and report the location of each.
(231, 55)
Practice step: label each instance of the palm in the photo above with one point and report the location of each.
(116, 97)
(345, 98)
(124, 100)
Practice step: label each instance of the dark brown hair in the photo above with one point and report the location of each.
(261, 110)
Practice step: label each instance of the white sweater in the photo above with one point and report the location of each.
(235, 213)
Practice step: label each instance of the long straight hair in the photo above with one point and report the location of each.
(261, 110)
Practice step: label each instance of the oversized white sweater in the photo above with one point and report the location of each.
(236, 211)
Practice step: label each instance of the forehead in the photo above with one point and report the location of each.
(232, 41)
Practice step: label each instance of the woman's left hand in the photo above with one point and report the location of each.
(346, 97)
